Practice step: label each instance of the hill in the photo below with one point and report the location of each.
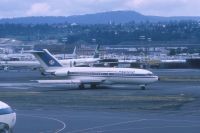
(97, 18)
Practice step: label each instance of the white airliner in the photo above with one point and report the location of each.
(67, 56)
(82, 61)
(91, 75)
(16, 56)
(7, 118)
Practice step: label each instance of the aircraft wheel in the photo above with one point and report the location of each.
(43, 74)
(81, 86)
(93, 86)
(143, 87)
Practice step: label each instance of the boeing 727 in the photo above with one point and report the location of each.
(91, 75)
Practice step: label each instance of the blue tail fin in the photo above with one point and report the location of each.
(46, 59)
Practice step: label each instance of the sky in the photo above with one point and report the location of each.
(23, 8)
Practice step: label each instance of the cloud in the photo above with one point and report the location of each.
(74, 7)
(165, 7)
(41, 9)
(135, 3)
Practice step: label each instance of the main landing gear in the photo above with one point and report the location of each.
(81, 86)
(143, 87)
(92, 86)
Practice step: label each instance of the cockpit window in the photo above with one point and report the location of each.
(6, 111)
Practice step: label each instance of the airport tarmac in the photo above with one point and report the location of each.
(166, 106)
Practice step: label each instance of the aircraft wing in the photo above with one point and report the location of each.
(83, 81)
(58, 81)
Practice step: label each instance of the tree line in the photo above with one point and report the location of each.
(106, 34)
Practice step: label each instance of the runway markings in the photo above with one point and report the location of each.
(49, 118)
(196, 124)
(108, 125)
(148, 128)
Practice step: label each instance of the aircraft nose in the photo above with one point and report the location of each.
(156, 78)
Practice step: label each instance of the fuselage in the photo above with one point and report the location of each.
(65, 56)
(108, 75)
(78, 62)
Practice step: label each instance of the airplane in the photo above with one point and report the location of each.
(7, 118)
(82, 61)
(67, 56)
(16, 56)
(91, 75)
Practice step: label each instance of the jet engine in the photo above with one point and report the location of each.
(62, 73)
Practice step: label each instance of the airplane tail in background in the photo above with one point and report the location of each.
(74, 52)
(96, 52)
(22, 51)
(46, 59)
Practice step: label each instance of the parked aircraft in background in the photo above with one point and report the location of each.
(66, 62)
(67, 56)
(7, 118)
(16, 56)
(91, 75)
(82, 61)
